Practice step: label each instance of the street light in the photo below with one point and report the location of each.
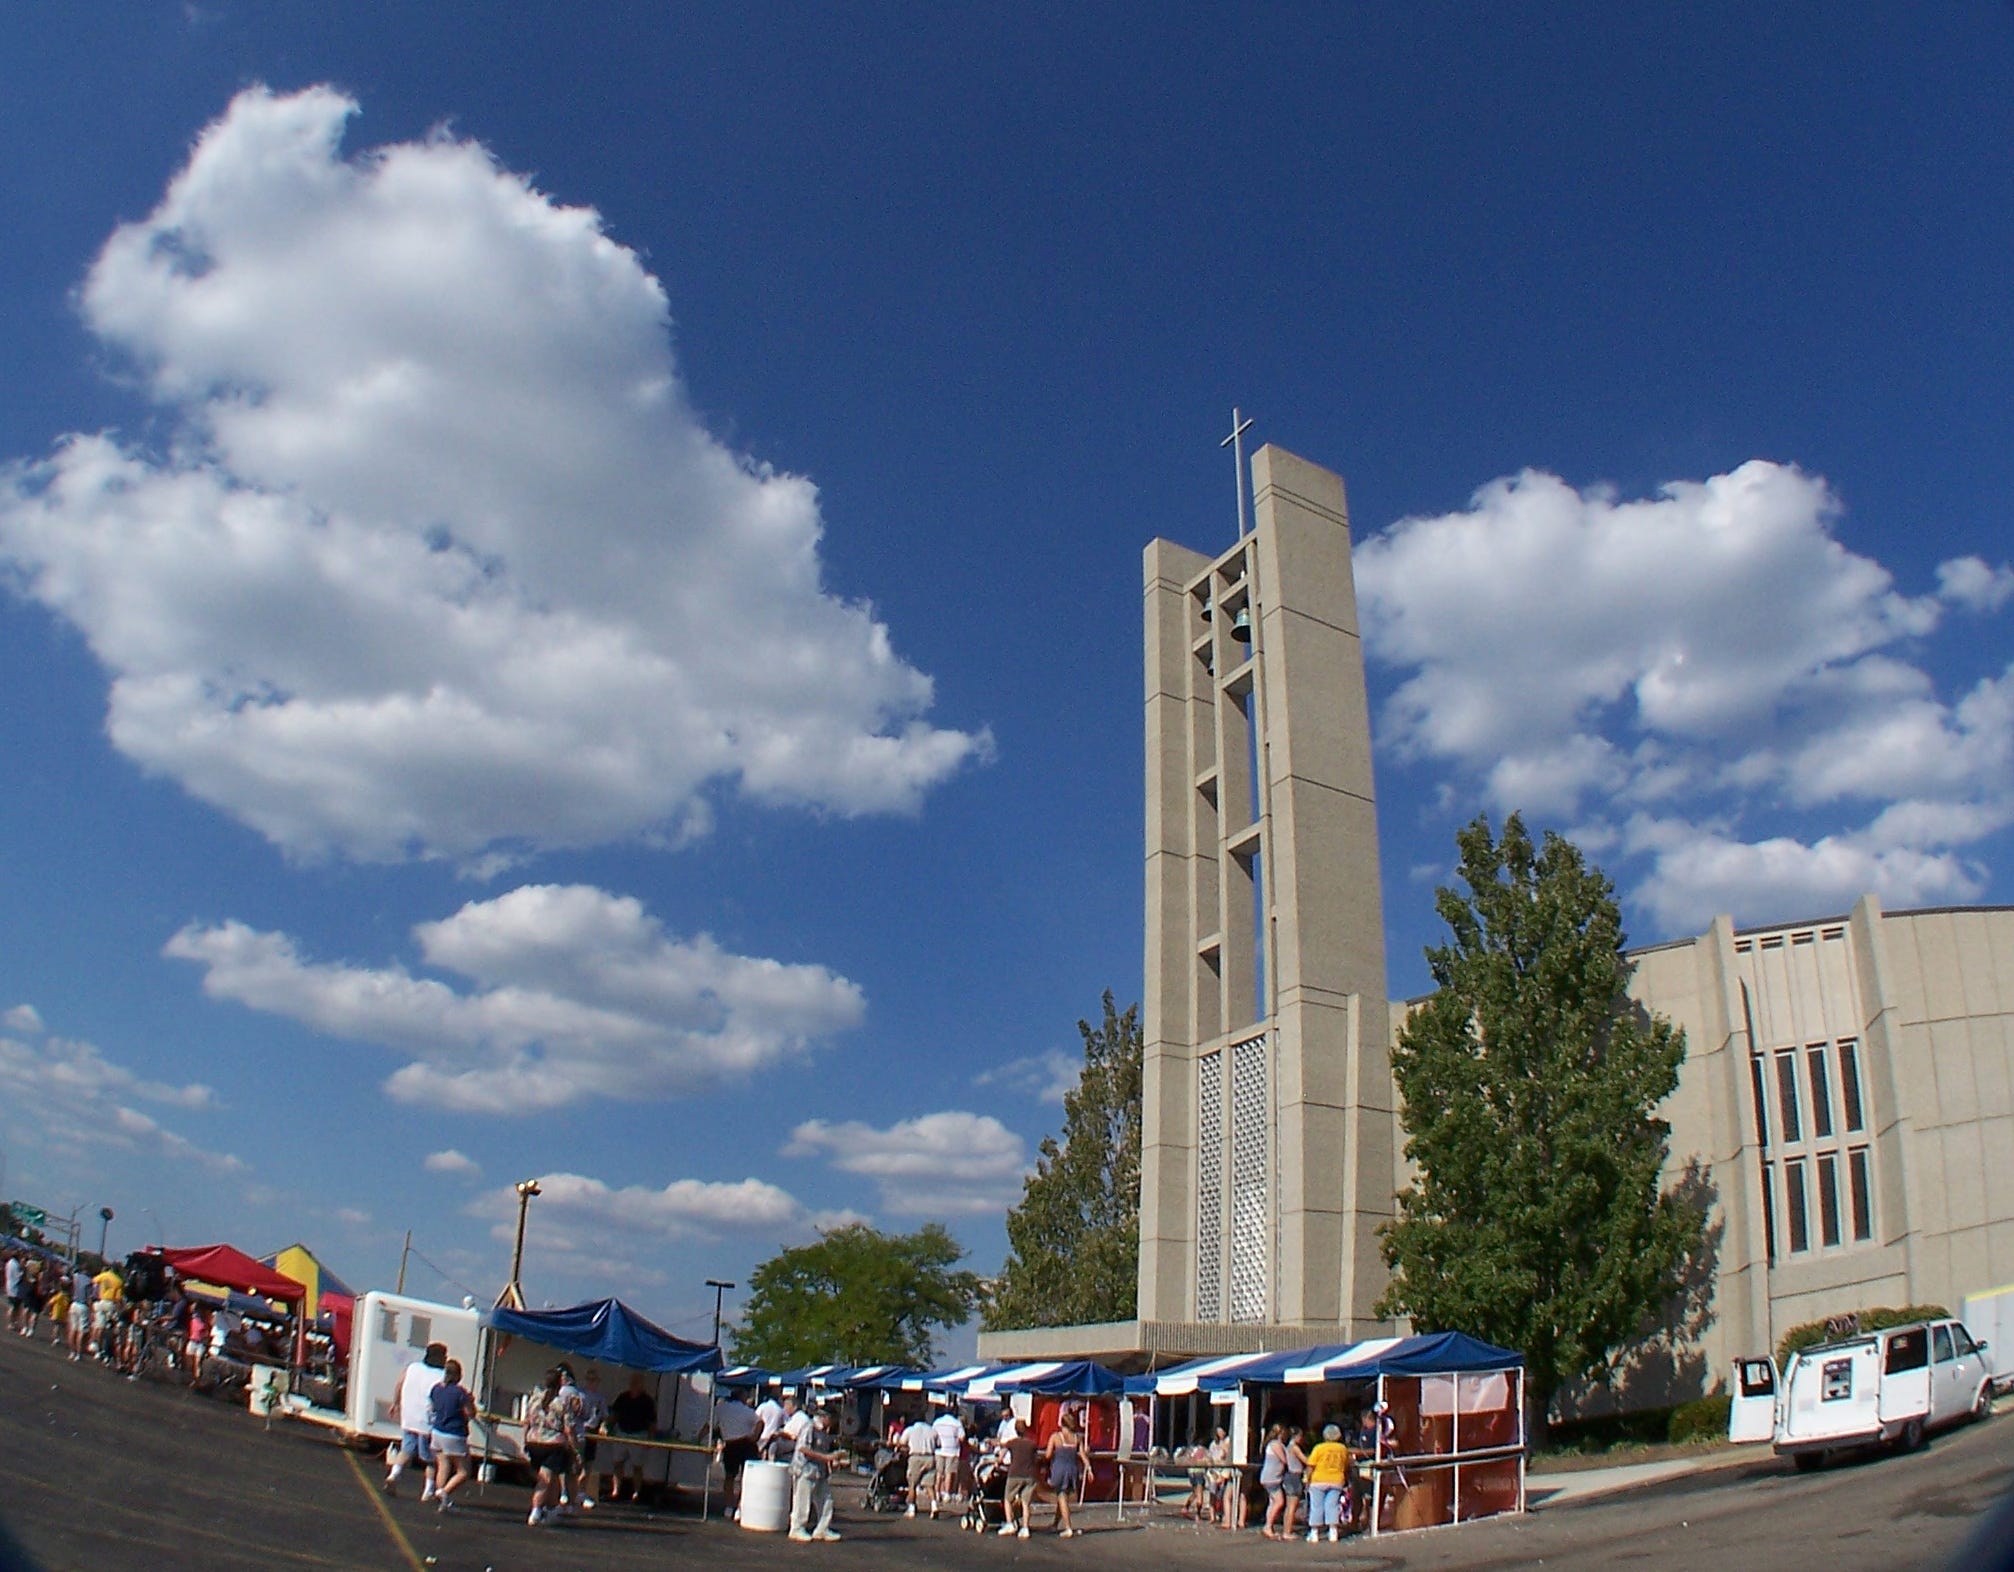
(104, 1227)
(526, 1189)
(719, 1288)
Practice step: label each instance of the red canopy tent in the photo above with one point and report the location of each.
(228, 1267)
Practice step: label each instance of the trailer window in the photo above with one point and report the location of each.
(1908, 1350)
(1940, 1341)
(1758, 1378)
(1838, 1375)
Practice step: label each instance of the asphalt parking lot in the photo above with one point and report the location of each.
(102, 1473)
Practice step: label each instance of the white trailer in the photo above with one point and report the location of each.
(389, 1332)
(1989, 1317)
(1879, 1388)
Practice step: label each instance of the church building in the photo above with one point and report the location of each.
(1848, 1089)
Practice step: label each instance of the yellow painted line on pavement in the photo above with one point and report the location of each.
(373, 1495)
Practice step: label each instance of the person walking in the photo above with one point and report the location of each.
(771, 1412)
(548, 1444)
(947, 1456)
(1328, 1468)
(450, 1407)
(919, 1447)
(593, 1420)
(409, 1408)
(1017, 1500)
(811, 1465)
(1065, 1459)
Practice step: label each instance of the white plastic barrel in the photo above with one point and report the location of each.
(765, 1497)
(264, 1389)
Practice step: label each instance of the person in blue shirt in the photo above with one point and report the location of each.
(450, 1407)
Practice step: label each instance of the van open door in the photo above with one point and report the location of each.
(1751, 1416)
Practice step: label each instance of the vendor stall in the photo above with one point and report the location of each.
(610, 1340)
(1437, 1421)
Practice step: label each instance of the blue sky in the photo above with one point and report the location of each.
(571, 578)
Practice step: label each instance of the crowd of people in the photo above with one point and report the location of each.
(1300, 1468)
(127, 1322)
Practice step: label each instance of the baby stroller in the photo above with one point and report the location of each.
(987, 1506)
(888, 1485)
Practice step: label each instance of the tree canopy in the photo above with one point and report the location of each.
(1530, 1083)
(856, 1297)
(1074, 1241)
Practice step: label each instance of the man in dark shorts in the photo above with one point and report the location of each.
(1023, 1457)
(738, 1428)
(632, 1414)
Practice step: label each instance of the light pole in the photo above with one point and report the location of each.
(719, 1288)
(104, 1227)
(526, 1189)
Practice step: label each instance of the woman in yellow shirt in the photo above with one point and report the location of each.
(1328, 1468)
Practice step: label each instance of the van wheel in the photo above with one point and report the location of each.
(1809, 1462)
(1912, 1436)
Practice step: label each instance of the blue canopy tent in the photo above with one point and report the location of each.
(609, 1331)
(744, 1376)
(1450, 1442)
(1050, 1378)
(947, 1382)
(875, 1378)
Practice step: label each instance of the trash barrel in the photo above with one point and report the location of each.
(765, 1497)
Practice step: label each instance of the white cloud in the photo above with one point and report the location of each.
(353, 1216)
(586, 1230)
(942, 1163)
(1710, 662)
(1970, 583)
(24, 1018)
(577, 994)
(436, 558)
(68, 1095)
(452, 1162)
(1049, 1076)
(1698, 872)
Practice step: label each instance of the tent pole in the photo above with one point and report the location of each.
(713, 1438)
(1377, 1473)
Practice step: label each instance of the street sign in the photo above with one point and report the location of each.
(31, 1216)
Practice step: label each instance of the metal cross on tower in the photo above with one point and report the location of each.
(1236, 443)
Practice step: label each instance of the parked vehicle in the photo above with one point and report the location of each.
(1888, 1388)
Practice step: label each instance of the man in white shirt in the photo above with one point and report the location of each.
(770, 1413)
(919, 1442)
(410, 1406)
(950, 1454)
(796, 1426)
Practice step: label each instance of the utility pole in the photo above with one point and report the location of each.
(719, 1289)
(407, 1249)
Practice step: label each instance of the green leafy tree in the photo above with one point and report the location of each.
(856, 1297)
(1530, 1083)
(1074, 1241)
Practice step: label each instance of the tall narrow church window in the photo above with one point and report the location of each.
(1794, 1205)
(1849, 1084)
(1786, 1092)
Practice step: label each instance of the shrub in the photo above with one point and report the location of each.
(1703, 1419)
(1812, 1333)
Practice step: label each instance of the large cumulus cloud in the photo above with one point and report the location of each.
(432, 556)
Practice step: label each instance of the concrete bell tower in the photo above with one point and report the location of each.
(1268, 1126)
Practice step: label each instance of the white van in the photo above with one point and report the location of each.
(1887, 1387)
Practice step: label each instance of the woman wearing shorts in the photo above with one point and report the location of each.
(1296, 1482)
(1273, 1479)
(449, 1410)
(550, 1419)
